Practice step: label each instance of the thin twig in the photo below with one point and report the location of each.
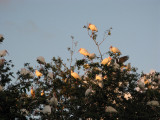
(104, 38)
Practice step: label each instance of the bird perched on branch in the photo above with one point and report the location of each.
(41, 60)
(38, 74)
(84, 52)
(75, 75)
(46, 110)
(106, 61)
(92, 27)
(3, 53)
(115, 50)
(53, 101)
(110, 109)
(92, 56)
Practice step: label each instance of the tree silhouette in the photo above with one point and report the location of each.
(108, 87)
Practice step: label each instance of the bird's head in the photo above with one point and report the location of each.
(80, 49)
(110, 58)
(110, 46)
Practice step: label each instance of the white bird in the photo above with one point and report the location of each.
(110, 109)
(41, 60)
(84, 52)
(106, 61)
(92, 27)
(3, 53)
(141, 85)
(1, 88)
(2, 62)
(115, 50)
(127, 96)
(153, 103)
(75, 75)
(53, 101)
(92, 56)
(50, 75)
(46, 110)
(89, 91)
(99, 77)
(100, 84)
(25, 72)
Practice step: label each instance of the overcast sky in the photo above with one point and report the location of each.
(35, 28)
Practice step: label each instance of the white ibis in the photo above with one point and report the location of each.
(75, 75)
(89, 91)
(99, 77)
(38, 74)
(92, 56)
(110, 109)
(46, 110)
(100, 84)
(153, 103)
(92, 27)
(41, 60)
(84, 52)
(127, 96)
(115, 50)
(25, 72)
(3, 53)
(50, 75)
(53, 101)
(106, 61)
(2, 62)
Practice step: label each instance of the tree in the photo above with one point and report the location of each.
(109, 88)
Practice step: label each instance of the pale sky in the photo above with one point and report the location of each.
(35, 28)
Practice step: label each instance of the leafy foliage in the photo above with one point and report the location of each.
(112, 85)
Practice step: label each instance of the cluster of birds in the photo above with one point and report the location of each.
(149, 81)
(53, 101)
(106, 61)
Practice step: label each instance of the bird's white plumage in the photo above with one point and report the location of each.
(99, 77)
(46, 110)
(84, 52)
(153, 103)
(92, 56)
(3, 53)
(92, 27)
(106, 61)
(41, 60)
(53, 101)
(110, 109)
(50, 75)
(25, 72)
(89, 91)
(75, 75)
(114, 50)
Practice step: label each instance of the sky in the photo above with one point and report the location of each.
(33, 28)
